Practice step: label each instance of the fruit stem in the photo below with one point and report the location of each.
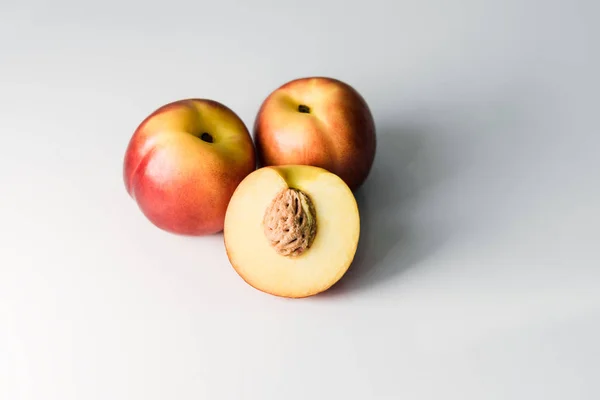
(303, 109)
(207, 137)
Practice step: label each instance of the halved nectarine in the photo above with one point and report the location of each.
(292, 231)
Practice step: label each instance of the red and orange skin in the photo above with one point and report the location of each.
(182, 183)
(338, 132)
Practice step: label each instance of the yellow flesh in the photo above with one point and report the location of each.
(320, 266)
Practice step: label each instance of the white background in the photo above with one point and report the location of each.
(477, 275)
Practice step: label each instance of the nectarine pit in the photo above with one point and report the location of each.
(290, 222)
(207, 137)
(304, 109)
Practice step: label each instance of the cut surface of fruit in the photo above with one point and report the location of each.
(313, 202)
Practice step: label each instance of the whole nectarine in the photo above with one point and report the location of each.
(184, 162)
(317, 121)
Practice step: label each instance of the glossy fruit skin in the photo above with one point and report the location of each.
(181, 182)
(336, 133)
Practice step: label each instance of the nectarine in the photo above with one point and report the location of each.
(317, 121)
(292, 231)
(184, 162)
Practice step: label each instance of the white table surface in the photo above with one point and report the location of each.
(477, 275)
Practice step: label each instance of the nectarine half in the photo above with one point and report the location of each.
(292, 231)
